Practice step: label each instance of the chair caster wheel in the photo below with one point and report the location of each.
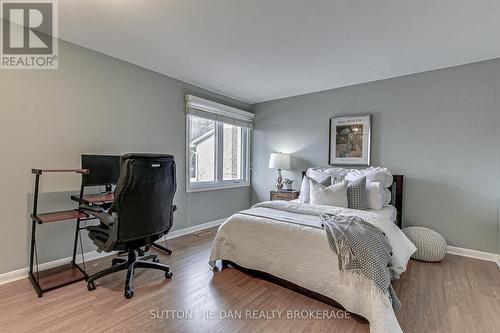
(91, 286)
(168, 275)
(156, 260)
(129, 293)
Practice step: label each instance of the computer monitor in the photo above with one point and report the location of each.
(104, 170)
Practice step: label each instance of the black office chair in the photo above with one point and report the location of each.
(141, 213)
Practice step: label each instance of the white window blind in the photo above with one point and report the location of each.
(203, 108)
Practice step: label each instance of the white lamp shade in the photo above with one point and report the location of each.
(279, 161)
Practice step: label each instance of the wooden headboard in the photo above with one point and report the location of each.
(396, 196)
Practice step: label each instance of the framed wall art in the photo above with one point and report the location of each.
(350, 138)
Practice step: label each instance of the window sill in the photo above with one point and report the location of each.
(215, 187)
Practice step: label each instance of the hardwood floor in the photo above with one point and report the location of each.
(456, 295)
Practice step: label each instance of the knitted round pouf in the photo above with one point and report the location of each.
(431, 246)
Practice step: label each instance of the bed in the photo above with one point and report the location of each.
(302, 259)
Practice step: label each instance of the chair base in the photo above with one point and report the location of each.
(130, 264)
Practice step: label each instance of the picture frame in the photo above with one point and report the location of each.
(350, 141)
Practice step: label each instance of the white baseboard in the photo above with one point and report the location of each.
(459, 251)
(23, 272)
(193, 229)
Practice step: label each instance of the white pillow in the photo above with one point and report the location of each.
(378, 174)
(377, 196)
(333, 195)
(337, 174)
(305, 190)
(373, 174)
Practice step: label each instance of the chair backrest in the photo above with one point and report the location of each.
(144, 196)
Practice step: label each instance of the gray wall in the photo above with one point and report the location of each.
(441, 129)
(92, 104)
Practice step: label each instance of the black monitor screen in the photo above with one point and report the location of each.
(104, 169)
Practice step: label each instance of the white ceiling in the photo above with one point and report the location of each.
(258, 50)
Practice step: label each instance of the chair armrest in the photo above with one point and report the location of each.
(106, 218)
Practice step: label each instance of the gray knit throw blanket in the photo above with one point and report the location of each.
(363, 249)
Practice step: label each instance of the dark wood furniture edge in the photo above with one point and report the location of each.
(41, 171)
(284, 191)
(397, 189)
(284, 195)
(292, 286)
(57, 216)
(94, 198)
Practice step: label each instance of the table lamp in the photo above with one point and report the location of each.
(279, 161)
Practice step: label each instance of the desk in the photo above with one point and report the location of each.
(94, 199)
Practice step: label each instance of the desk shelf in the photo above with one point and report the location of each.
(41, 171)
(57, 277)
(94, 198)
(63, 275)
(58, 216)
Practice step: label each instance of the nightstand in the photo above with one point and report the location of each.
(284, 195)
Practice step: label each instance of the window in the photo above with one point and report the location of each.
(201, 149)
(232, 147)
(218, 139)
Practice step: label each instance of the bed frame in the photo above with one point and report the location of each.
(396, 196)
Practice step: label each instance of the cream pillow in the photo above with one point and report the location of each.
(333, 195)
(305, 189)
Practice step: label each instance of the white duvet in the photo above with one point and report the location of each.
(300, 253)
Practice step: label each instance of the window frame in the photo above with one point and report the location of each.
(219, 183)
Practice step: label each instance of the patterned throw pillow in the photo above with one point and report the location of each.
(356, 194)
